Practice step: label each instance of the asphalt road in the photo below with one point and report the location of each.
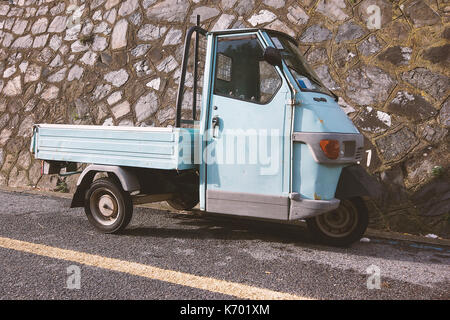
(278, 258)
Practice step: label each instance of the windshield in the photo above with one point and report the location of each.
(300, 70)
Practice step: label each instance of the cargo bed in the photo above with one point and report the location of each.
(145, 147)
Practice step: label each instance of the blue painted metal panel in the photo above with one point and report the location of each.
(157, 148)
(237, 162)
(311, 179)
(89, 133)
(312, 116)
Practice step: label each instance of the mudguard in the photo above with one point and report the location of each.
(127, 179)
(356, 182)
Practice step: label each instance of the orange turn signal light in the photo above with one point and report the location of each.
(330, 148)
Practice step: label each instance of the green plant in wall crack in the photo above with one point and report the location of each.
(354, 2)
(87, 39)
(76, 116)
(437, 171)
(61, 186)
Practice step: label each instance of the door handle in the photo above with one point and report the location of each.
(215, 123)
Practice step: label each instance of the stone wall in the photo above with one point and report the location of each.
(113, 62)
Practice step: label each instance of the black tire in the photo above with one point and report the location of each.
(183, 202)
(350, 222)
(108, 208)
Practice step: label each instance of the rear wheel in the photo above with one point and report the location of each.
(342, 226)
(108, 208)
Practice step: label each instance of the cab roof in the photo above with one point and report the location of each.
(245, 30)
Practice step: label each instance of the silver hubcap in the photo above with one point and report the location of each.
(340, 222)
(104, 206)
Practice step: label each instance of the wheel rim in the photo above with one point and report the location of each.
(339, 223)
(104, 206)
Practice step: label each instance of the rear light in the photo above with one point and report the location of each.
(330, 148)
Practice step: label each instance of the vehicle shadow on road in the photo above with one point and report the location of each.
(213, 226)
(198, 225)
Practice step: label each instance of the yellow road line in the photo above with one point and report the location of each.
(137, 269)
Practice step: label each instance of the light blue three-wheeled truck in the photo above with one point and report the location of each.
(267, 141)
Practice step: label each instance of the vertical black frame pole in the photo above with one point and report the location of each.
(187, 43)
(194, 98)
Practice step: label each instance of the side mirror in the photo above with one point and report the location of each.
(272, 56)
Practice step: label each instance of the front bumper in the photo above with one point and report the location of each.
(307, 208)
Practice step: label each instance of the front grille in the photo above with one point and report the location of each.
(349, 149)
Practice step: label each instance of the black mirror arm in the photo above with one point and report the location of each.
(336, 98)
(273, 56)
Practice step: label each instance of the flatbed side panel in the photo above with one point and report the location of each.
(188, 147)
(133, 147)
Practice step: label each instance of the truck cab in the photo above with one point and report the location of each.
(275, 141)
(269, 142)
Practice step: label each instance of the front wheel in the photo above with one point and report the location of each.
(342, 226)
(108, 208)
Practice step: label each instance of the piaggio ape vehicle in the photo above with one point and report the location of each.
(269, 141)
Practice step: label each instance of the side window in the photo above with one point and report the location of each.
(241, 72)
(269, 81)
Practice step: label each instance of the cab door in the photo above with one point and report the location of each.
(247, 148)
